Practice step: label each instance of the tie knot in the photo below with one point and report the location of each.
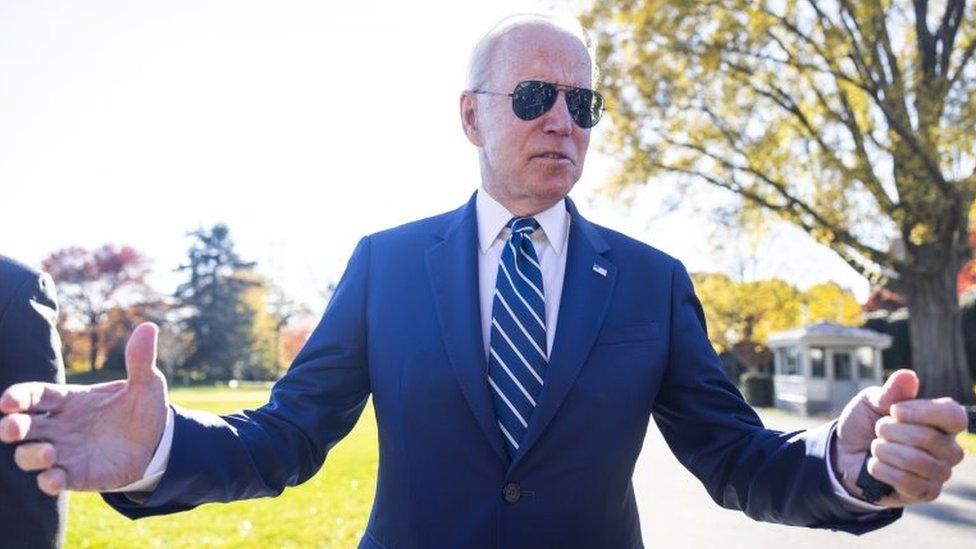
(523, 225)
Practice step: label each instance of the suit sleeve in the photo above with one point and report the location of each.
(256, 453)
(770, 475)
(30, 350)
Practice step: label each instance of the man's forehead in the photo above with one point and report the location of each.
(545, 53)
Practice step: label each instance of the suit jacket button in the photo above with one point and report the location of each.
(512, 492)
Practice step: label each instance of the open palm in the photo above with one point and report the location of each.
(90, 437)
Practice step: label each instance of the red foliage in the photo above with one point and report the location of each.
(883, 299)
(292, 340)
(93, 283)
(967, 277)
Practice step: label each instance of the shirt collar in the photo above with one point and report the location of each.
(492, 218)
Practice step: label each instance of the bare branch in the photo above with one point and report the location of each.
(868, 270)
(793, 203)
(967, 55)
(946, 34)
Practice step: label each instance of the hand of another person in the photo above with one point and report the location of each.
(90, 437)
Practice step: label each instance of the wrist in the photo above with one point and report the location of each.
(846, 466)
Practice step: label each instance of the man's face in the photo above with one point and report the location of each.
(532, 162)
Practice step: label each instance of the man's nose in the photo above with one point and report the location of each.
(558, 119)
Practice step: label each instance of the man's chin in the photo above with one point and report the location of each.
(552, 188)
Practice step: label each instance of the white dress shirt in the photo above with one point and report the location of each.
(550, 247)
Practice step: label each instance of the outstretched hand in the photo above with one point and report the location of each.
(913, 441)
(90, 437)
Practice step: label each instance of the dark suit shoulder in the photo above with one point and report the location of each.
(14, 275)
(621, 244)
(420, 230)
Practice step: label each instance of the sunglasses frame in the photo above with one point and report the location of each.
(595, 114)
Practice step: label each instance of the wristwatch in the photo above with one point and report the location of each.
(873, 489)
(971, 413)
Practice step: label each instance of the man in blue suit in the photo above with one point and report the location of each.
(515, 353)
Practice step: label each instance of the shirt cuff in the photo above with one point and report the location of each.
(157, 465)
(853, 504)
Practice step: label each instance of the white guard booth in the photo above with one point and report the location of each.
(819, 368)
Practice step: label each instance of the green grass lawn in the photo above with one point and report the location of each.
(330, 510)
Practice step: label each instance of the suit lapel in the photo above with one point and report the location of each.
(587, 289)
(453, 268)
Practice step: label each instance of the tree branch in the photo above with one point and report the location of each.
(865, 174)
(869, 271)
(793, 203)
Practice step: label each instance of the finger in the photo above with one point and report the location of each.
(901, 385)
(140, 352)
(913, 460)
(32, 396)
(21, 427)
(940, 445)
(35, 456)
(910, 486)
(53, 481)
(942, 413)
(935, 442)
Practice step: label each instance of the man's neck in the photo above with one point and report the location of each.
(522, 208)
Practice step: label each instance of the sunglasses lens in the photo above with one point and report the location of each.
(585, 106)
(531, 99)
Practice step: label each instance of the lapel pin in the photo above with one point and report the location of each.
(599, 270)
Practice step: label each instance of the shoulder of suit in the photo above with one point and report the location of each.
(428, 226)
(14, 275)
(620, 242)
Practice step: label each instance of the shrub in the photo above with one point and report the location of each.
(757, 389)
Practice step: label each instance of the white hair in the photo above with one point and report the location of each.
(480, 63)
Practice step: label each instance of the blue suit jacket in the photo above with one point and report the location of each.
(404, 325)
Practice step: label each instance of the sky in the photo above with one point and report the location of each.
(301, 125)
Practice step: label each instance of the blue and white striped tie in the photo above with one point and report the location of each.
(517, 357)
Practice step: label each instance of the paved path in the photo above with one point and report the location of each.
(676, 511)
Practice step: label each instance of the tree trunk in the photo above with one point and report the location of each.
(92, 348)
(935, 331)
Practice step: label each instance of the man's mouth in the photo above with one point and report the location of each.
(553, 156)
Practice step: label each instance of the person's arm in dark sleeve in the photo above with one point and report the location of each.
(769, 475)
(255, 453)
(30, 350)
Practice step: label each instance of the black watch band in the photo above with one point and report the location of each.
(873, 489)
(971, 413)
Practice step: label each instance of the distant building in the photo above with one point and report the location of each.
(819, 368)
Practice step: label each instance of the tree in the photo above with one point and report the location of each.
(742, 315)
(883, 299)
(215, 309)
(828, 302)
(284, 312)
(967, 275)
(272, 311)
(91, 283)
(293, 338)
(746, 312)
(122, 321)
(853, 120)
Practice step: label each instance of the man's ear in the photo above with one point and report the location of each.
(469, 118)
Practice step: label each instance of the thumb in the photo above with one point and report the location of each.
(140, 352)
(902, 385)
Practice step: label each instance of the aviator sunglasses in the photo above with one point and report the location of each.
(533, 98)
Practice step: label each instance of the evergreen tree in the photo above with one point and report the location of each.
(217, 313)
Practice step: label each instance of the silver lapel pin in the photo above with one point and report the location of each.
(599, 270)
